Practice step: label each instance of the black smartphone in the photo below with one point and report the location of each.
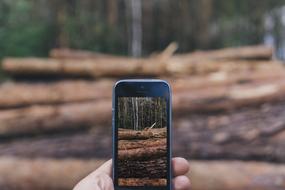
(142, 135)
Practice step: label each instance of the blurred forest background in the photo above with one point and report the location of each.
(33, 27)
(60, 60)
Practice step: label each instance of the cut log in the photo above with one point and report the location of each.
(212, 100)
(142, 153)
(205, 175)
(229, 98)
(112, 67)
(258, 52)
(132, 144)
(257, 133)
(37, 119)
(132, 134)
(43, 174)
(24, 94)
(142, 182)
(123, 67)
(154, 168)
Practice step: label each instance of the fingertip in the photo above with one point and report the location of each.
(181, 183)
(180, 166)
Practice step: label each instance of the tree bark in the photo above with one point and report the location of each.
(133, 144)
(257, 133)
(242, 53)
(37, 119)
(25, 94)
(258, 52)
(142, 153)
(146, 134)
(123, 66)
(243, 175)
(154, 168)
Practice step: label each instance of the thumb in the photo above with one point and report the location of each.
(100, 179)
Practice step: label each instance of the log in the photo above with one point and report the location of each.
(151, 169)
(258, 52)
(142, 182)
(142, 153)
(132, 144)
(105, 67)
(147, 134)
(222, 78)
(39, 173)
(256, 133)
(229, 98)
(125, 67)
(14, 95)
(243, 175)
(37, 119)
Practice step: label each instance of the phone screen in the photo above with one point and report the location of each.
(142, 154)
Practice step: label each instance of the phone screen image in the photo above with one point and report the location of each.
(142, 141)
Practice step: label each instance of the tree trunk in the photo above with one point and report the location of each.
(37, 119)
(257, 133)
(146, 134)
(212, 100)
(126, 144)
(123, 66)
(25, 94)
(240, 53)
(142, 153)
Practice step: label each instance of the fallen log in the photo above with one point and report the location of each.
(256, 133)
(142, 153)
(145, 134)
(243, 175)
(124, 67)
(228, 98)
(25, 94)
(142, 182)
(151, 168)
(258, 52)
(133, 144)
(111, 67)
(38, 119)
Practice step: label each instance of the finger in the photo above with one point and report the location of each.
(100, 179)
(105, 168)
(181, 183)
(180, 166)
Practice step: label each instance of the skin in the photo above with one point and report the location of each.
(101, 179)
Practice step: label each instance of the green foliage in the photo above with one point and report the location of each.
(20, 33)
(32, 27)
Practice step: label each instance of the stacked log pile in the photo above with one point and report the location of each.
(228, 105)
(142, 155)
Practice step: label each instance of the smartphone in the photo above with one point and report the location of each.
(142, 135)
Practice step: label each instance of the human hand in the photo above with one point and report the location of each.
(101, 179)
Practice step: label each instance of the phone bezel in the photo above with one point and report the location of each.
(133, 88)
